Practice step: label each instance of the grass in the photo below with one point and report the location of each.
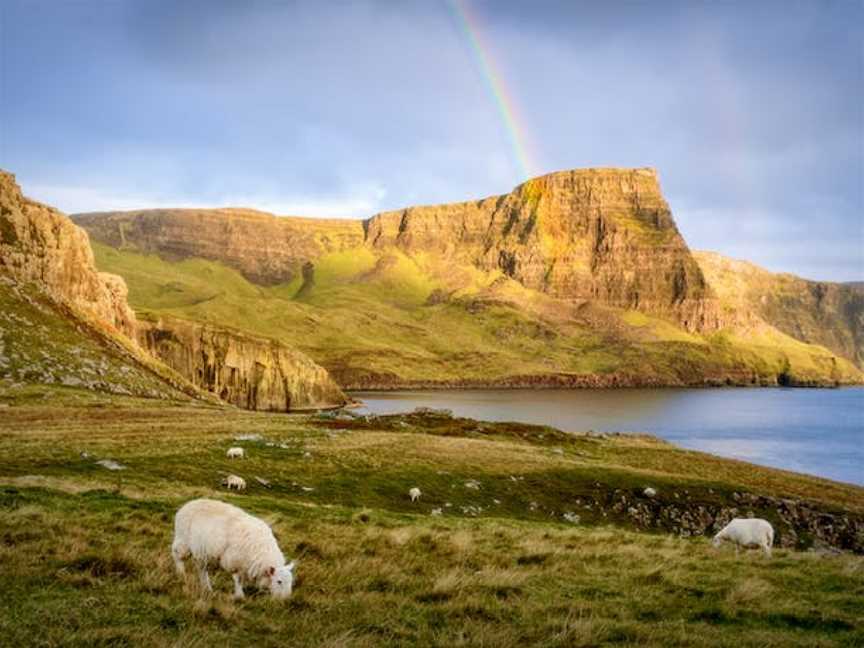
(40, 342)
(84, 555)
(398, 320)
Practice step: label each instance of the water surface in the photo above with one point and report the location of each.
(816, 431)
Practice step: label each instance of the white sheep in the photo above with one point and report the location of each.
(414, 494)
(235, 453)
(234, 482)
(214, 532)
(747, 532)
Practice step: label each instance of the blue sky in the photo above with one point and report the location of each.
(751, 111)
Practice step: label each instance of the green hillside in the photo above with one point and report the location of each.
(43, 343)
(389, 320)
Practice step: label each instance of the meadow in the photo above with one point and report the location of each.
(84, 551)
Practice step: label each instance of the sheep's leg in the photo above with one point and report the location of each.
(205, 578)
(179, 551)
(238, 587)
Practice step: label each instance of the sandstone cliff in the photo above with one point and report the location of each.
(605, 235)
(247, 371)
(267, 250)
(819, 312)
(41, 245)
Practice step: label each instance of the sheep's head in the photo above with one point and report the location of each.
(281, 581)
(717, 541)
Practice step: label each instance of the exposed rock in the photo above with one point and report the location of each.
(265, 249)
(593, 234)
(254, 373)
(819, 312)
(39, 244)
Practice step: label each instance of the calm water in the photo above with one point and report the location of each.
(817, 431)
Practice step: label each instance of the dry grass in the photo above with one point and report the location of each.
(84, 557)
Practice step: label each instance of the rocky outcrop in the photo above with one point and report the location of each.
(254, 373)
(605, 235)
(266, 249)
(818, 312)
(592, 234)
(40, 245)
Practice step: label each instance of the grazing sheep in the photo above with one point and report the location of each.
(414, 494)
(234, 482)
(235, 453)
(747, 532)
(214, 532)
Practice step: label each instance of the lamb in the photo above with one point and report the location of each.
(236, 453)
(414, 494)
(747, 532)
(213, 532)
(234, 482)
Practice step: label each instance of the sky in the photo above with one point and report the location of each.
(752, 112)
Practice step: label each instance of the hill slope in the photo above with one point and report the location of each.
(819, 312)
(65, 322)
(577, 278)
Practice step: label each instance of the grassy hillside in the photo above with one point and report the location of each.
(84, 556)
(378, 321)
(41, 342)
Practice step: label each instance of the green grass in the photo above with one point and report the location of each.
(41, 342)
(397, 320)
(84, 552)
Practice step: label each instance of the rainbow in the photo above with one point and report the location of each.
(514, 124)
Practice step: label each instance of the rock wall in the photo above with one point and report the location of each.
(818, 312)
(266, 249)
(41, 245)
(249, 372)
(592, 234)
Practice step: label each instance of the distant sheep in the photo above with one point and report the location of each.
(213, 532)
(414, 494)
(233, 482)
(235, 453)
(747, 532)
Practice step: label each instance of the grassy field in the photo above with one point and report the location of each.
(84, 551)
(401, 320)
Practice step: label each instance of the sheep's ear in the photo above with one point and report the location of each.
(271, 571)
(292, 564)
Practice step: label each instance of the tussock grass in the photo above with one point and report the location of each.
(84, 552)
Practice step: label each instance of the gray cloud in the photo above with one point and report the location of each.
(752, 112)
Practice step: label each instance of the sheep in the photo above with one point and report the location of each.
(234, 482)
(414, 494)
(747, 532)
(236, 453)
(213, 532)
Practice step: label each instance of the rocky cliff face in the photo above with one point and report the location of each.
(266, 249)
(593, 234)
(829, 314)
(41, 245)
(250, 372)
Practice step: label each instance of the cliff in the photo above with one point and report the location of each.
(818, 312)
(605, 235)
(41, 245)
(250, 372)
(576, 278)
(267, 250)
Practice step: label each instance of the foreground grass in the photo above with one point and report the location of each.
(84, 557)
